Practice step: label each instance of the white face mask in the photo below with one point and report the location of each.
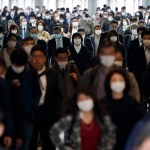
(77, 41)
(98, 32)
(118, 63)
(32, 21)
(61, 21)
(18, 69)
(107, 61)
(1, 35)
(14, 31)
(105, 16)
(125, 23)
(40, 28)
(146, 43)
(11, 44)
(48, 17)
(110, 19)
(117, 86)
(24, 23)
(134, 32)
(113, 38)
(75, 24)
(86, 105)
(57, 18)
(28, 49)
(62, 64)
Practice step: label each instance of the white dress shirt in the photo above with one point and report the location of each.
(97, 39)
(43, 85)
(59, 42)
(147, 55)
(77, 48)
(74, 30)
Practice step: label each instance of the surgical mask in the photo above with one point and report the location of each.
(137, 14)
(18, 69)
(40, 28)
(98, 32)
(24, 23)
(123, 13)
(85, 105)
(113, 29)
(134, 32)
(61, 21)
(14, 31)
(62, 64)
(75, 24)
(57, 36)
(113, 38)
(107, 60)
(110, 19)
(57, 18)
(48, 17)
(146, 43)
(118, 63)
(3, 18)
(37, 9)
(32, 20)
(125, 23)
(117, 86)
(11, 44)
(35, 36)
(39, 15)
(77, 41)
(28, 49)
(105, 16)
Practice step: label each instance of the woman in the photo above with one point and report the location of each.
(85, 128)
(124, 110)
(11, 45)
(42, 34)
(114, 37)
(124, 25)
(79, 53)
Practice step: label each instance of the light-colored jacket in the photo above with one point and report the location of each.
(108, 138)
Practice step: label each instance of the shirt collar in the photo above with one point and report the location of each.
(42, 70)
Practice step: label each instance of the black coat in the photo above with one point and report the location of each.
(82, 59)
(52, 46)
(124, 113)
(89, 45)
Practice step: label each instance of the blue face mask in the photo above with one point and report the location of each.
(57, 36)
(35, 36)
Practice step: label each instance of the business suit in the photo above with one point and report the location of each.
(47, 113)
(52, 47)
(82, 59)
(89, 45)
(24, 31)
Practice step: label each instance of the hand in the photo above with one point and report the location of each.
(74, 76)
(18, 143)
(7, 141)
(2, 129)
(16, 83)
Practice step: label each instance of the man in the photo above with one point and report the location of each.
(141, 58)
(57, 42)
(94, 77)
(86, 41)
(49, 103)
(1, 38)
(75, 25)
(47, 20)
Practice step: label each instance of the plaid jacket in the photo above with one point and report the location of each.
(107, 142)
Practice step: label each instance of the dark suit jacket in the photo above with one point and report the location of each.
(138, 65)
(82, 59)
(89, 45)
(52, 47)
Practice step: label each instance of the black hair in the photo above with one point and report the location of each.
(141, 29)
(19, 57)
(32, 28)
(145, 32)
(114, 21)
(118, 70)
(28, 39)
(57, 28)
(1, 29)
(2, 63)
(38, 48)
(105, 44)
(81, 29)
(113, 32)
(32, 15)
(75, 35)
(60, 50)
(12, 34)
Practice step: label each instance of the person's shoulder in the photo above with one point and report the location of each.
(92, 69)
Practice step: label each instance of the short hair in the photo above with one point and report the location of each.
(2, 63)
(57, 28)
(12, 34)
(19, 57)
(105, 44)
(145, 32)
(38, 48)
(1, 29)
(27, 39)
(114, 21)
(40, 21)
(75, 35)
(32, 15)
(118, 70)
(98, 25)
(32, 28)
(81, 29)
(141, 28)
(61, 50)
